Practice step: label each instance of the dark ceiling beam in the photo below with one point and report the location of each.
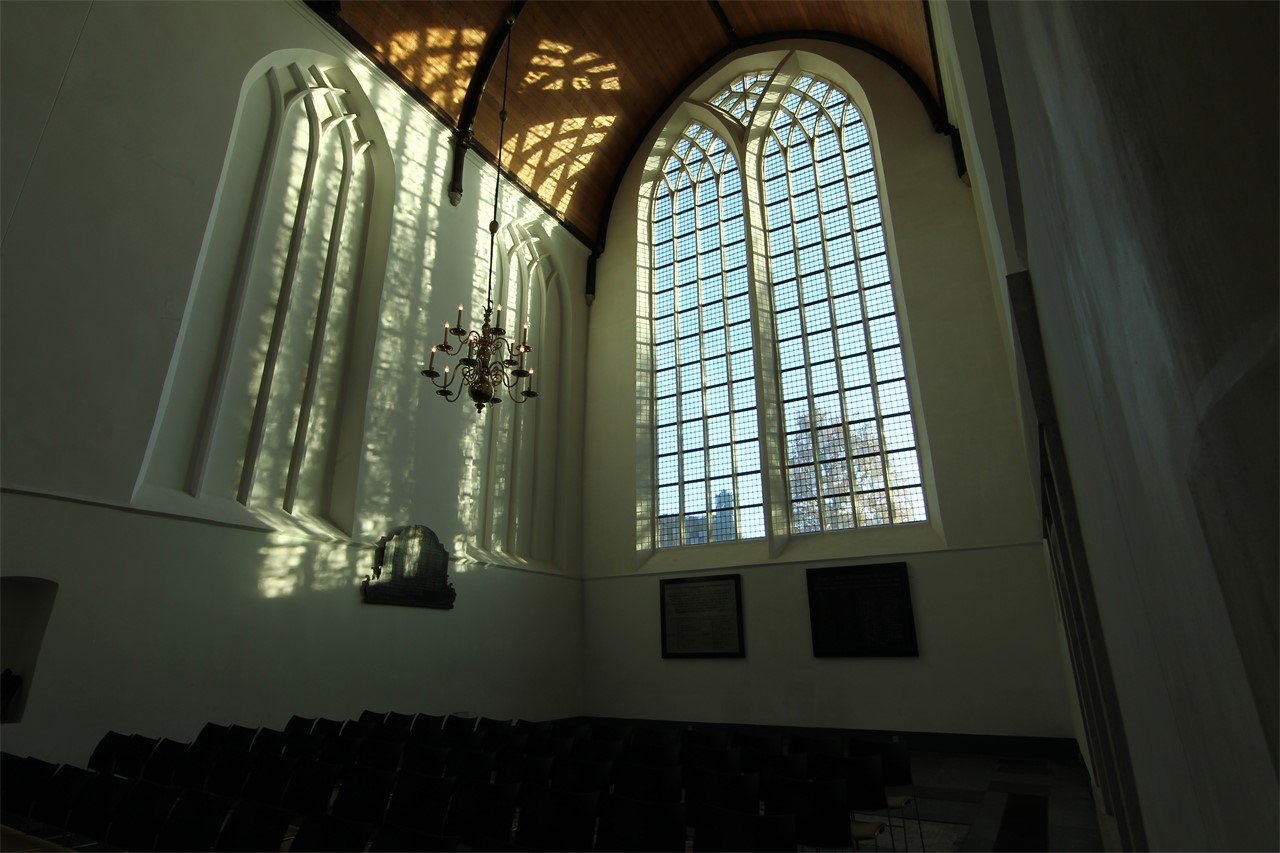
(937, 115)
(463, 135)
(957, 149)
(718, 11)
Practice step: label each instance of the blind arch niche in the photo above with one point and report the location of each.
(515, 517)
(263, 407)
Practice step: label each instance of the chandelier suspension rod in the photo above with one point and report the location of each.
(502, 135)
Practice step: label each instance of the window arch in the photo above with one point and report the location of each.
(830, 373)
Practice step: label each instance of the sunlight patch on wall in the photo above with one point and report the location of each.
(398, 425)
(292, 566)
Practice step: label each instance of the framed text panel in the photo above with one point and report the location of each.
(862, 611)
(702, 617)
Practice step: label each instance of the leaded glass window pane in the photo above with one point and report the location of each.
(851, 454)
(704, 382)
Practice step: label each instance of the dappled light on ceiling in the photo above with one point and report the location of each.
(439, 61)
(550, 158)
(554, 68)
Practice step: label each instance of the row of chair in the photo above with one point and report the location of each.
(385, 774)
(70, 805)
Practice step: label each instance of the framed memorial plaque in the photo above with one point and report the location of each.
(702, 617)
(862, 611)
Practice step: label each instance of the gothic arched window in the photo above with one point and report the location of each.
(833, 370)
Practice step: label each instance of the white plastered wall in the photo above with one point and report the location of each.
(1145, 138)
(117, 119)
(989, 660)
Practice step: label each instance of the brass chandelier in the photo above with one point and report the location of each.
(493, 362)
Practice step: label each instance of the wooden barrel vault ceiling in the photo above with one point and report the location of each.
(588, 79)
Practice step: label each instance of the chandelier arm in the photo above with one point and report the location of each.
(492, 361)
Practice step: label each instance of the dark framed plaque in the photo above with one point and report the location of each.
(862, 611)
(702, 617)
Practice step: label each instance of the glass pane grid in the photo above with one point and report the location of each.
(702, 318)
(851, 453)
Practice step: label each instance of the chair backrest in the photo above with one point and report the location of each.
(427, 760)
(829, 745)
(591, 749)
(554, 819)
(707, 738)
(655, 736)
(358, 730)
(392, 839)
(485, 723)
(727, 760)
(194, 822)
(253, 826)
(642, 782)
(653, 754)
(56, 794)
(324, 727)
(526, 770)
(373, 718)
(454, 724)
(325, 832)
(481, 813)
(363, 794)
(769, 743)
(470, 764)
(140, 816)
(299, 725)
(96, 804)
(269, 742)
(104, 754)
(239, 737)
(427, 724)
(724, 829)
(133, 755)
(212, 735)
(380, 754)
(534, 729)
(736, 791)
(399, 722)
(229, 772)
(163, 761)
(775, 768)
(821, 808)
(269, 779)
(584, 776)
(192, 767)
(338, 750)
(310, 787)
(549, 746)
(20, 781)
(610, 731)
(628, 824)
(822, 765)
(420, 802)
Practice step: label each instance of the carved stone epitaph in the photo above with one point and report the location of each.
(411, 569)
